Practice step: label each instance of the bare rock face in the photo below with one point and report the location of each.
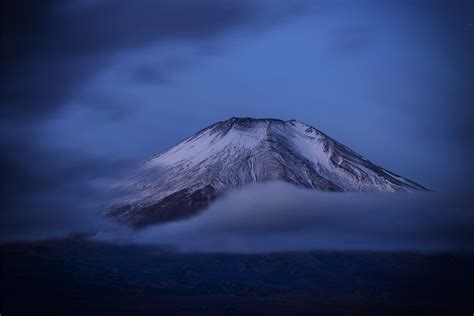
(189, 176)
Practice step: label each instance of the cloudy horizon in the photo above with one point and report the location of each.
(91, 88)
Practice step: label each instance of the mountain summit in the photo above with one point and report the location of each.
(189, 176)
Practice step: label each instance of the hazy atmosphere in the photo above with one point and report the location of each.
(92, 88)
(236, 157)
(280, 217)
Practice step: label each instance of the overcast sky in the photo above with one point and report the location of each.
(89, 88)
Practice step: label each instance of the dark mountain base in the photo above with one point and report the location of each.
(77, 277)
(179, 205)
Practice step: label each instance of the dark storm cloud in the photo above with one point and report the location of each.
(49, 51)
(52, 192)
(35, 178)
(52, 169)
(49, 48)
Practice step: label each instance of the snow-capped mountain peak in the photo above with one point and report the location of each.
(229, 154)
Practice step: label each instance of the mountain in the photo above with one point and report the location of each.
(189, 176)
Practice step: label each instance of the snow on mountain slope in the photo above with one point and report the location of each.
(187, 177)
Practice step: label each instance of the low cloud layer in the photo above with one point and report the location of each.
(272, 217)
(280, 217)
